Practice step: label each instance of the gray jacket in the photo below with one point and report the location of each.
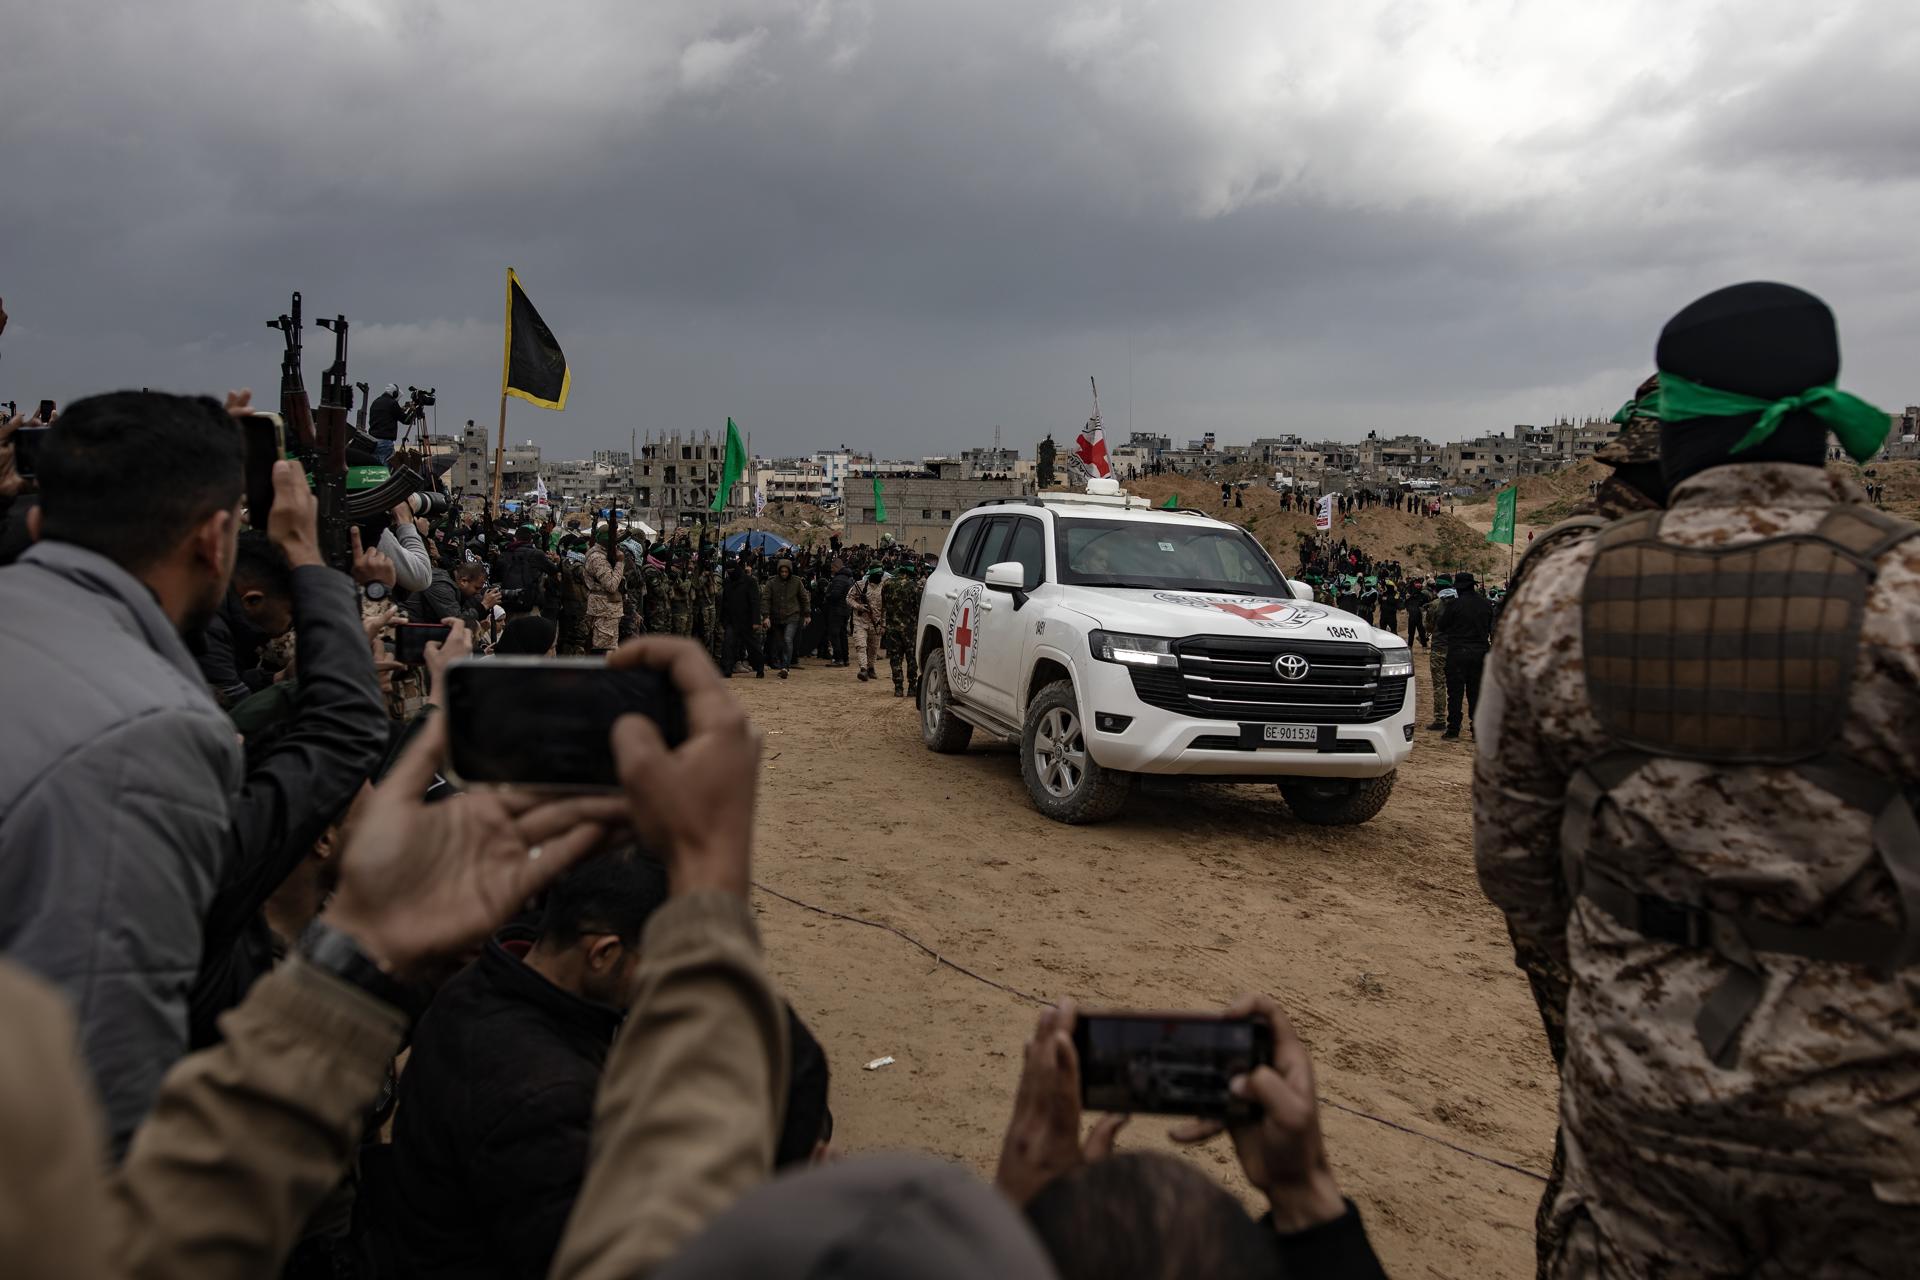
(118, 774)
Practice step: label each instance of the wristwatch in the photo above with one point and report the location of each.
(333, 952)
(375, 591)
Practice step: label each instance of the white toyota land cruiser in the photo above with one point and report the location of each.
(1111, 638)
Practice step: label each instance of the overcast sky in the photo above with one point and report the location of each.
(896, 225)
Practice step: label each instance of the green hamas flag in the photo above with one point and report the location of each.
(879, 503)
(1172, 503)
(534, 369)
(1503, 505)
(730, 470)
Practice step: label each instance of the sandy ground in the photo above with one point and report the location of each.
(1376, 938)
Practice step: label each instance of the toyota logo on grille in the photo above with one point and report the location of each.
(1291, 666)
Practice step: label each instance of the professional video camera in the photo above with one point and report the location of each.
(417, 403)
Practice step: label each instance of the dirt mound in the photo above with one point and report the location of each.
(801, 523)
(1422, 544)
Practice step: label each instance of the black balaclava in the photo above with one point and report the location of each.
(1758, 339)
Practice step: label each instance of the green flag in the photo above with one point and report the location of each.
(730, 470)
(1172, 503)
(879, 503)
(1502, 530)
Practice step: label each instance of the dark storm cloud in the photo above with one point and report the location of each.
(855, 223)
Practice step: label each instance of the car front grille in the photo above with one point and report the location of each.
(1236, 678)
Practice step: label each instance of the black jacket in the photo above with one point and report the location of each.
(228, 651)
(441, 599)
(383, 417)
(1467, 624)
(740, 602)
(490, 1139)
(836, 594)
(524, 572)
(300, 777)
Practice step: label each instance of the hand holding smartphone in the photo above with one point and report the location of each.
(546, 723)
(1176, 1064)
(410, 640)
(27, 443)
(265, 438)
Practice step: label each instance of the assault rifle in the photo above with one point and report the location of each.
(319, 441)
(294, 408)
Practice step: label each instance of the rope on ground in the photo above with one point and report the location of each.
(1015, 991)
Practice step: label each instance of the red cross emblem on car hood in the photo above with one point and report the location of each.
(1252, 614)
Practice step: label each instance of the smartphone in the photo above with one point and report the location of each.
(545, 722)
(1174, 1064)
(265, 437)
(26, 450)
(410, 640)
(45, 412)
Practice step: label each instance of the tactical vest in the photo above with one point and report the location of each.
(1742, 657)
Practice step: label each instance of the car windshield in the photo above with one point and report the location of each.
(1164, 555)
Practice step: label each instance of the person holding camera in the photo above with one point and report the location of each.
(384, 418)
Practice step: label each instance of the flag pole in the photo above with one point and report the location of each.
(499, 451)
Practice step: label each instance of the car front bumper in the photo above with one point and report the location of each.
(1164, 742)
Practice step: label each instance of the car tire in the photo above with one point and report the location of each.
(1065, 782)
(940, 729)
(1337, 802)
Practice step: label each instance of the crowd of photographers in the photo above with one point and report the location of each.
(280, 999)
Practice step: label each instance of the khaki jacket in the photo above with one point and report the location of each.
(247, 1138)
(243, 1141)
(693, 1096)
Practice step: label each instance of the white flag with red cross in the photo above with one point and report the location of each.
(1091, 448)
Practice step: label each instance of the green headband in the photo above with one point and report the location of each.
(1860, 428)
(1648, 408)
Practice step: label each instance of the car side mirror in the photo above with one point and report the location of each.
(1301, 591)
(1009, 576)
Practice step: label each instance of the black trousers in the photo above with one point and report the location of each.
(839, 617)
(1463, 685)
(1390, 620)
(736, 642)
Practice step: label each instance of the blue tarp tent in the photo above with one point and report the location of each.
(758, 539)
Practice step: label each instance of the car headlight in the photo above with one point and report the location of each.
(1138, 651)
(1396, 662)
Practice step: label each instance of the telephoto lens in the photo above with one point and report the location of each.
(427, 504)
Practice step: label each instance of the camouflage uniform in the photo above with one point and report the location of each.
(1675, 1163)
(576, 637)
(900, 611)
(653, 594)
(680, 600)
(1634, 457)
(706, 607)
(604, 606)
(866, 599)
(1436, 662)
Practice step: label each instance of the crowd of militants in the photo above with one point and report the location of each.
(753, 609)
(280, 999)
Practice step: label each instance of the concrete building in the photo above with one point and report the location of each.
(576, 483)
(472, 472)
(675, 477)
(921, 508)
(990, 464)
(833, 464)
(790, 480)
